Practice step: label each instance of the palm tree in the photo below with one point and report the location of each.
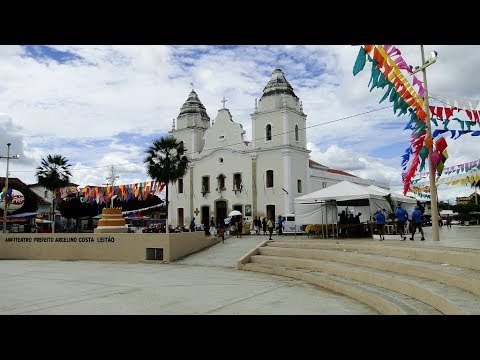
(475, 185)
(166, 163)
(53, 174)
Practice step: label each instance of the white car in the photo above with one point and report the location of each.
(289, 224)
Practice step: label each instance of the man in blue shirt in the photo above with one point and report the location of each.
(417, 222)
(402, 216)
(380, 221)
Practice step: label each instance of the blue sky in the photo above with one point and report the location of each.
(103, 105)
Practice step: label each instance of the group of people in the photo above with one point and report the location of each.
(261, 225)
(402, 217)
(353, 227)
(350, 219)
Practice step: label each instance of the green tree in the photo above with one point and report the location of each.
(53, 174)
(475, 185)
(166, 162)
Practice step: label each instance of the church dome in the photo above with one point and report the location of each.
(193, 105)
(278, 85)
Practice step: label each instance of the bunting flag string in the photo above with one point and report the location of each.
(454, 102)
(386, 72)
(103, 194)
(462, 179)
(445, 113)
(387, 63)
(455, 134)
(395, 54)
(453, 179)
(455, 169)
(140, 210)
(420, 189)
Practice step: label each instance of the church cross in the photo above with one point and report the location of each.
(196, 212)
(223, 101)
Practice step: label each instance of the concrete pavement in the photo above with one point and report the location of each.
(203, 283)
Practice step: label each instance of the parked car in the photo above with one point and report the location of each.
(289, 224)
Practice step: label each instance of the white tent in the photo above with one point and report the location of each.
(345, 191)
(407, 202)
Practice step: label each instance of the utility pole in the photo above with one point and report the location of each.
(5, 208)
(433, 186)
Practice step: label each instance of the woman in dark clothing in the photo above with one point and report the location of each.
(239, 227)
(264, 226)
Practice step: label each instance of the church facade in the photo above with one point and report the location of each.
(261, 177)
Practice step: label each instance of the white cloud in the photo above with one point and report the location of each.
(355, 163)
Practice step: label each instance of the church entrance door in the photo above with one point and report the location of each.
(271, 212)
(238, 207)
(181, 220)
(206, 216)
(221, 211)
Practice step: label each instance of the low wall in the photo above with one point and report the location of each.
(91, 246)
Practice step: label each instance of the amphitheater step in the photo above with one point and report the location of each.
(439, 254)
(384, 301)
(462, 278)
(448, 300)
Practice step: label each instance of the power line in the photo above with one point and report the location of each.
(223, 147)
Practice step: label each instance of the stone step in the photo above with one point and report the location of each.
(375, 301)
(406, 285)
(393, 242)
(384, 301)
(464, 300)
(442, 255)
(462, 278)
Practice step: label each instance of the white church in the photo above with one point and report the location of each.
(261, 177)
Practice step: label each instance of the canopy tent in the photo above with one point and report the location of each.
(316, 213)
(408, 203)
(320, 203)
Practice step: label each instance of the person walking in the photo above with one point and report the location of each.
(449, 222)
(402, 216)
(264, 226)
(379, 217)
(270, 228)
(239, 227)
(192, 224)
(280, 225)
(221, 232)
(417, 222)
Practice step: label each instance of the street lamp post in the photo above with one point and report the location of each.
(433, 186)
(8, 157)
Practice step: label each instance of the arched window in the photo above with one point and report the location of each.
(269, 178)
(296, 132)
(180, 186)
(221, 182)
(205, 184)
(299, 186)
(269, 132)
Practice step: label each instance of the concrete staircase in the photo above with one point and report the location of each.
(392, 277)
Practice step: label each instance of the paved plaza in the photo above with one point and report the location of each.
(203, 283)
